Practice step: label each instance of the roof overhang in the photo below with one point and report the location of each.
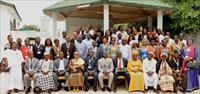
(120, 11)
(13, 7)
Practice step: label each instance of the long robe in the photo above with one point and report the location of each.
(166, 80)
(15, 58)
(137, 78)
(191, 73)
(150, 65)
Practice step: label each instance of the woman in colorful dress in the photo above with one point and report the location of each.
(190, 65)
(145, 48)
(76, 68)
(113, 48)
(135, 71)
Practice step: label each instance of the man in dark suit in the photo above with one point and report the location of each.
(98, 51)
(120, 65)
(31, 66)
(38, 49)
(68, 48)
(61, 66)
(90, 69)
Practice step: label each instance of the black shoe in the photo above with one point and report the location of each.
(145, 91)
(9, 91)
(37, 90)
(109, 89)
(50, 91)
(103, 89)
(115, 90)
(86, 89)
(28, 90)
(16, 90)
(156, 91)
(94, 89)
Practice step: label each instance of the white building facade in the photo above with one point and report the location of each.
(9, 20)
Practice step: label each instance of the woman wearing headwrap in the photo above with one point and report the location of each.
(135, 71)
(165, 74)
(76, 68)
(190, 65)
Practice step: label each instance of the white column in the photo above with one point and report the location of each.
(106, 17)
(160, 19)
(150, 21)
(55, 31)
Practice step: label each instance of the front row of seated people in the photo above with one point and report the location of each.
(139, 75)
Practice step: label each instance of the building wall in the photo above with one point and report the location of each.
(72, 23)
(5, 18)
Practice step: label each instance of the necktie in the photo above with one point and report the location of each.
(120, 64)
(31, 65)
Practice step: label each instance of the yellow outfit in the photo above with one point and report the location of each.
(136, 78)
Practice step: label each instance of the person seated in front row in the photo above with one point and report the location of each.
(120, 65)
(164, 70)
(45, 77)
(90, 69)
(105, 68)
(61, 67)
(76, 68)
(31, 66)
(134, 68)
(175, 63)
(150, 75)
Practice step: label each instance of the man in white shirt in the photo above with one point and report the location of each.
(150, 75)
(61, 66)
(125, 49)
(88, 41)
(81, 47)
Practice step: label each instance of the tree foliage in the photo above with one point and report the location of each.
(185, 15)
(30, 27)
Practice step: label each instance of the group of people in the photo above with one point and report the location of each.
(146, 58)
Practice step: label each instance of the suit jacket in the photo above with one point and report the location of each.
(71, 50)
(41, 49)
(92, 63)
(57, 64)
(98, 52)
(105, 65)
(35, 65)
(115, 62)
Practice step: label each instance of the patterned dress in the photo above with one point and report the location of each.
(45, 82)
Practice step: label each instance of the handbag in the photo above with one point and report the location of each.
(192, 64)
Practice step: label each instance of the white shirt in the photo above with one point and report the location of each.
(61, 66)
(119, 60)
(149, 65)
(45, 65)
(126, 50)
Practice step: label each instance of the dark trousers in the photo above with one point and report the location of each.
(116, 74)
(182, 83)
(95, 76)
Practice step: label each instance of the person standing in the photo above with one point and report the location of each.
(38, 49)
(105, 68)
(68, 48)
(10, 40)
(19, 43)
(56, 49)
(81, 46)
(15, 59)
(125, 49)
(26, 48)
(31, 67)
(190, 65)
